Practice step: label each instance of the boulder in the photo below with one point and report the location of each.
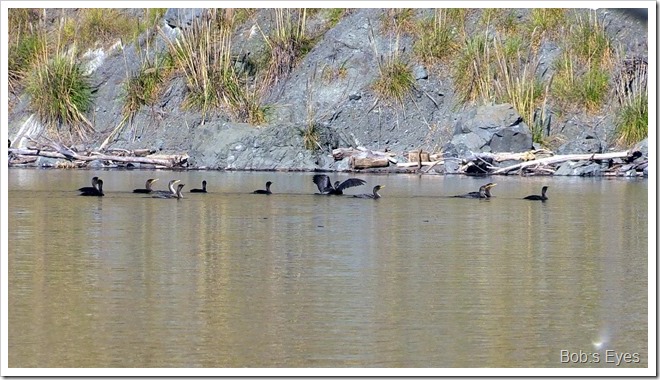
(239, 146)
(182, 17)
(497, 128)
(579, 168)
(586, 142)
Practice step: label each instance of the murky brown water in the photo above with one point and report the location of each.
(415, 279)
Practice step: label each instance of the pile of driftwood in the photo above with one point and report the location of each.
(113, 157)
(533, 162)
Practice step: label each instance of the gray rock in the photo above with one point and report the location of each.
(512, 139)
(587, 142)
(420, 73)
(182, 17)
(642, 146)
(497, 128)
(579, 168)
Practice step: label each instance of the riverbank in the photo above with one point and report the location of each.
(330, 99)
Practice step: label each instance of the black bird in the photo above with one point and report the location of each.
(87, 188)
(170, 186)
(95, 192)
(202, 190)
(541, 197)
(322, 181)
(484, 192)
(147, 187)
(267, 191)
(176, 195)
(375, 194)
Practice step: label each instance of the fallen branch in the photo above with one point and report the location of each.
(563, 158)
(173, 161)
(424, 163)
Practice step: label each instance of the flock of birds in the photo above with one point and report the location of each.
(322, 181)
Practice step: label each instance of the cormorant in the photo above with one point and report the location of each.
(96, 192)
(176, 195)
(202, 190)
(93, 188)
(267, 191)
(322, 181)
(484, 192)
(375, 194)
(170, 186)
(147, 186)
(541, 197)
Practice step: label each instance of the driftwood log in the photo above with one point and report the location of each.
(362, 158)
(563, 158)
(367, 162)
(166, 161)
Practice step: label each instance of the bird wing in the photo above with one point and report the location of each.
(322, 181)
(351, 182)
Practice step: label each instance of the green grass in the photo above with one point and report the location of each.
(287, 43)
(633, 121)
(547, 19)
(104, 25)
(633, 112)
(435, 40)
(576, 86)
(398, 21)
(143, 88)
(395, 79)
(582, 70)
(22, 55)
(60, 94)
(472, 69)
(311, 137)
(335, 15)
(204, 56)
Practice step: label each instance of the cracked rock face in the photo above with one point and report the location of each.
(497, 128)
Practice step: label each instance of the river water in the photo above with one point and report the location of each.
(414, 279)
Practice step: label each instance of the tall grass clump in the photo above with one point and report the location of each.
(22, 54)
(395, 78)
(472, 69)
(633, 114)
(286, 44)
(203, 54)
(515, 81)
(60, 93)
(103, 25)
(143, 88)
(398, 21)
(547, 19)
(24, 44)
(582, 69)
(436, 39)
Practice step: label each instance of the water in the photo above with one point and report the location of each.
(415, 279)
